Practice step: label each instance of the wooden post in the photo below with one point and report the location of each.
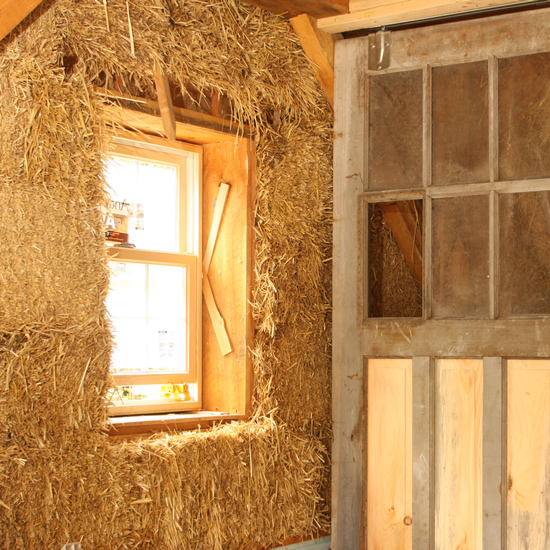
(165, 103)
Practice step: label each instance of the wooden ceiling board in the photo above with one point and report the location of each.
(291, 8)
(367, 14)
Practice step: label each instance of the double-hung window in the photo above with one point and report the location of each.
(153, 233)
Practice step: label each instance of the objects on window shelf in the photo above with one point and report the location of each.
(154, 393)
(116, 218)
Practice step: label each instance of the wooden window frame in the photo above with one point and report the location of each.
(229, 155)
(188, 159)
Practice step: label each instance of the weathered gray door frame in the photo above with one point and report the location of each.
(355, 337)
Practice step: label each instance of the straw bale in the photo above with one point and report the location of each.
(240, 486)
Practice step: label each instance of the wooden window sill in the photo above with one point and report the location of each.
(124, 426)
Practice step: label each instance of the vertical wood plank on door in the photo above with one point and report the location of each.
(458, 454)
(422, 453)
(529, 454)
(389, 449)
(347, 357)
(493, 461)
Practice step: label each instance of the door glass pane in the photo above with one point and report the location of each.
(148, 193)
(460, 124)
(395, 130)
(523, 113)
(460, 257)
(524, 253)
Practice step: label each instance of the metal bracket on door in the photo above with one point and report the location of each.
(379, 50)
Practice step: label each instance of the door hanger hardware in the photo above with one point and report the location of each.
(379, 50)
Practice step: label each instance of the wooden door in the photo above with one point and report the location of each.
(441, 289)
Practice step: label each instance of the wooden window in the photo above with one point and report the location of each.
(155, 295)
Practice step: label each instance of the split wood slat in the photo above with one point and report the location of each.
(12, 12)
(216, 220)
(217, 319)
(165, 103)
(319, 48)
(364, 15)
(404, 218)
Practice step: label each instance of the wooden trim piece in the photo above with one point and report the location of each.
(137, 255)
(165, 103)
(133, 378)
(227, 380)
(466, 189)
(347, 372)
(364, 15)
(12, 12)
(493, 463)
(528, 337)
(427, 294)
(422, 453)
(319, 48)
(144, 424)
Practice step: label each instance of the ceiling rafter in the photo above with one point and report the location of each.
(12, 12)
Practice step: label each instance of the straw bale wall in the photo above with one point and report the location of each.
(238, 486)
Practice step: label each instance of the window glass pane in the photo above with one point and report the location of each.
(149, 312)
(524, 254)
(523, 111)
(166, 291)
(460, 128)
(395, 130)
(130, 351)
(148, 191)
(460, 257)
(128, 297)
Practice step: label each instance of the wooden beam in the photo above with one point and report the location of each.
(165, 103)
(404, 218)
(367, 15)
(291, 8)
(347, 365)
(12, 12)
(143, 115)
(319, 48)
(458, 337)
